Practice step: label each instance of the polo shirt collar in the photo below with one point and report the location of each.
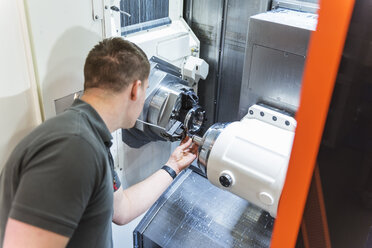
(95, 120)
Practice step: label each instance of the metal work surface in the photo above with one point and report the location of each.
(194, 213)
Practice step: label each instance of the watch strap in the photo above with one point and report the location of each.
(171, 172)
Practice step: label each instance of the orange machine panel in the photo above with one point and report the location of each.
(325, 50)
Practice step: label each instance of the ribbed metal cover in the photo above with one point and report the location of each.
(194, 213)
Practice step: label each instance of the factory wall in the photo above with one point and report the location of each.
(62, 34)
(19, 104)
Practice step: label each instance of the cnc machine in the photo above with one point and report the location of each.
(233, 88)
(248, 157)
(229, 74)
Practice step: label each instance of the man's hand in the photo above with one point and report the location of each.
(183, 155)
(135, 200)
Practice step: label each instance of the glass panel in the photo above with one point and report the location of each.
(345, 156)
(144, 14)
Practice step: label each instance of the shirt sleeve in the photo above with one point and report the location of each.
(56, 185)
(115, 177)
(117, 182)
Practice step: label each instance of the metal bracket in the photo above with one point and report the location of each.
(272, 116)
(296, 5)
(97, 10)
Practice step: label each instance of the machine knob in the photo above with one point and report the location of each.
(266, 198)
(226, 180)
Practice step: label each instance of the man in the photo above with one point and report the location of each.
(57, 187)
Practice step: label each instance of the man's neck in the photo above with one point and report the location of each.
(105, 106)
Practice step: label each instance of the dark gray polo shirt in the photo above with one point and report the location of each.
(59, 178)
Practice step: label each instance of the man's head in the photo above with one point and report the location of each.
(114, 64)
(116, 76)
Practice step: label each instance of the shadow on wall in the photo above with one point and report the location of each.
(19, 109)
(64, 71)
(18, 119)
(64, 74)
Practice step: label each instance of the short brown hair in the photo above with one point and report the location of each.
(113, 64)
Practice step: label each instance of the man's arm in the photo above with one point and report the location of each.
(20, 234)
(132, 202)
(52, 195)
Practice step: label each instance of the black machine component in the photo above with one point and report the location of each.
(171, 108)
(226, 180)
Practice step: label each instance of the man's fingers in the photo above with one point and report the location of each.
(189, 158)
(186, 144)
(194, 148)
(185, 139)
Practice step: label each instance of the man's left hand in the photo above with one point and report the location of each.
(183, 155)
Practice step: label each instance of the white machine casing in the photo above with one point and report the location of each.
(254, 153)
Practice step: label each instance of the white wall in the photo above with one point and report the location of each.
(19, 105)
(62, 32)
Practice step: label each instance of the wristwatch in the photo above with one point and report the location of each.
(171, 172)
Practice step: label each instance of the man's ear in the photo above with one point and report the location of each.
(135, 89)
